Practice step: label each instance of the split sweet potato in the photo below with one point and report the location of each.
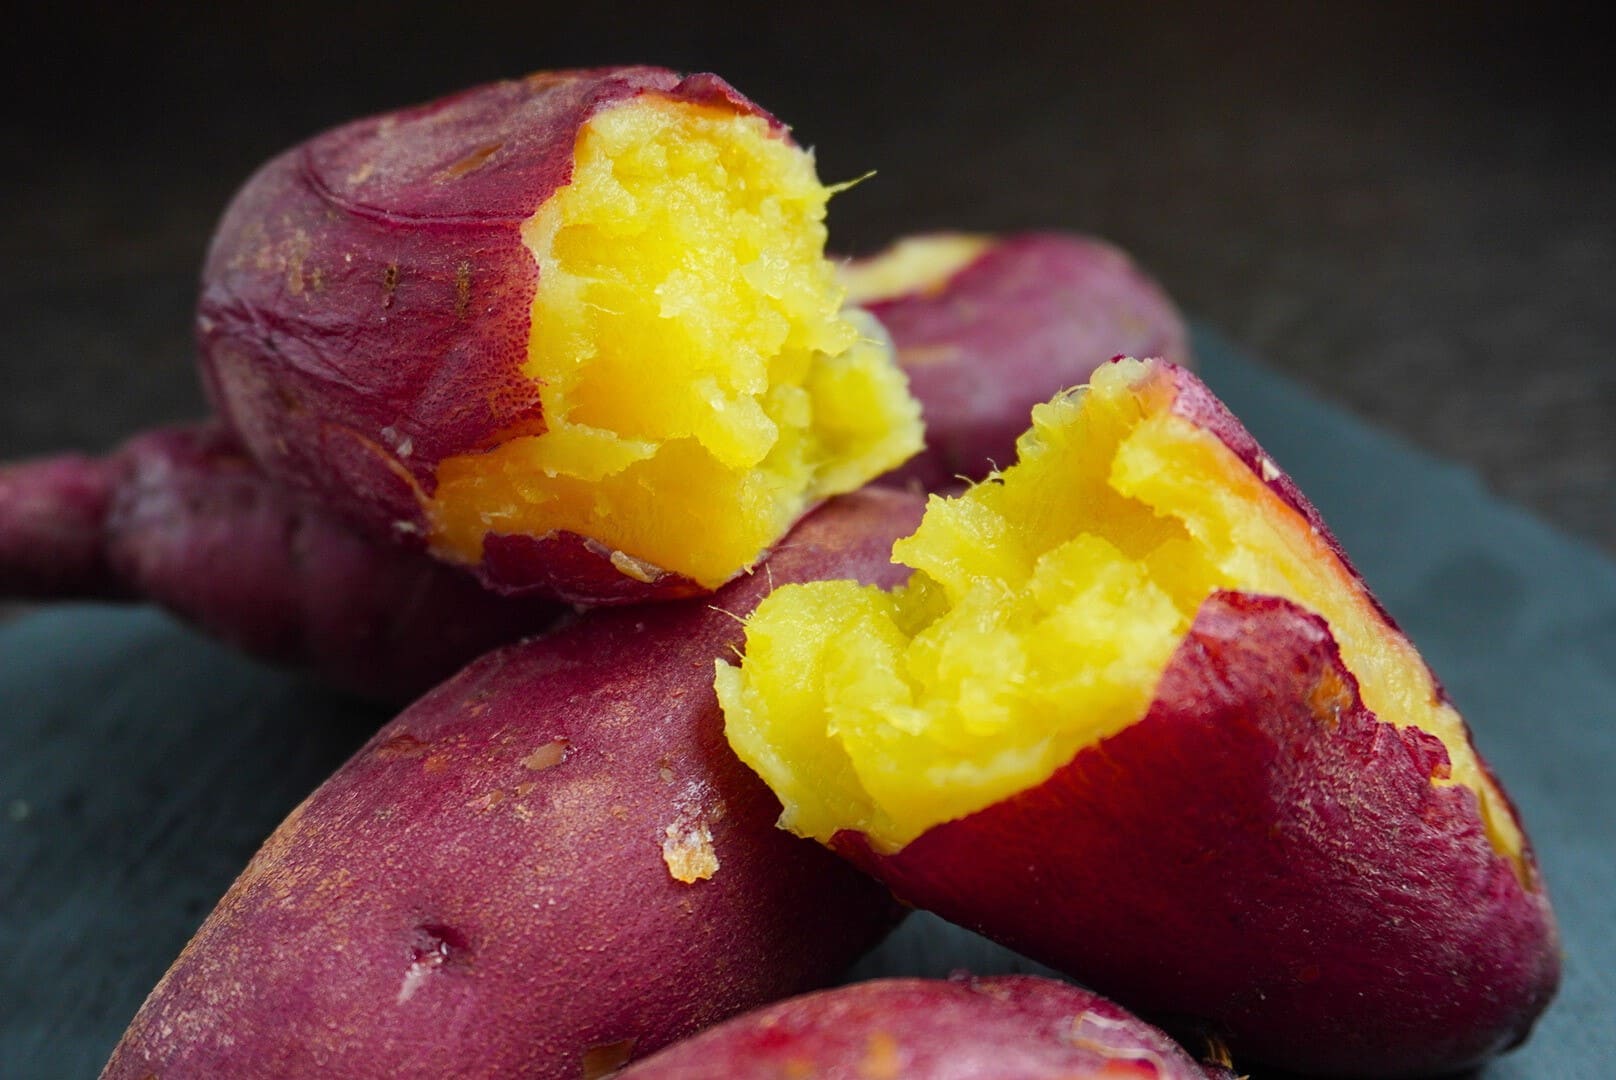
(575, 332)
(1009, 1027)
(986, 327)
(1137, 716)
(549, 864)
(179, 517)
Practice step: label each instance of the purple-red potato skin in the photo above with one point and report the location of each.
(179, 517)
(367, 297)
(51, 540)
(1033, 314)
(1260, 851)
(483, 889)
(1008, 1027)
(1289, 870)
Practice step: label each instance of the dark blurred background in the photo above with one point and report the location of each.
(1409, 208)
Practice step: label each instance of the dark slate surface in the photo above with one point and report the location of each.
(140, 766)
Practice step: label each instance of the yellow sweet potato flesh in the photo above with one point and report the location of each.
(915, 265)
(1045, 605)
(701, 382)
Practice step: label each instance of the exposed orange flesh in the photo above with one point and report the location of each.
(1045, 606)
(701, 382)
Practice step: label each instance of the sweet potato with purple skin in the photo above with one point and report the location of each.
(986, 327)
(549, 863)
(52, 540)
(575, 332)
(1137, 716)
(179, 517)
(1008, 1027)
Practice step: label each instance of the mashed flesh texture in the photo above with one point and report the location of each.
(701, 383)
(1042, 613)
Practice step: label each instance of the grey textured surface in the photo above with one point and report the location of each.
(141, 766)
(1411, 208)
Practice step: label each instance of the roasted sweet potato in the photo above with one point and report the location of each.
(550, 863)
(1008, 1027)
(181, 518)
(1137, 716)
(575, 332)
(986, 327)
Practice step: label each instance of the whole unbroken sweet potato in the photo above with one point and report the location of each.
(575, 332)
(179, 517)
(1008, 1027)
(551, 863)
(986, 327)
(1137, 716)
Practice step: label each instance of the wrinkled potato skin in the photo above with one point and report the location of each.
(366, 299)
(1008, 1027)
(482, 890)
(1033, 314)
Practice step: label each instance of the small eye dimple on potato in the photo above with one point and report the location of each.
(1137, 716)
(1007, 1027)
(550, 863)
(574, 332)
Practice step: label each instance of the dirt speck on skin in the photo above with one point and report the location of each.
(687, 849)
(1329, 697)
(882, 1061)
(402, 745)
(462, 290)
(389, 285)
(470, 163)
(603, 1060)
(687, 845)
(550, 754)
(637, 569)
